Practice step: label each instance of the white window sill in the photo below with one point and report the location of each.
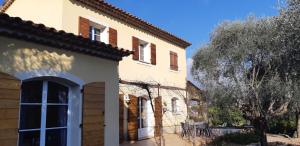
(100, 41)
(175, 71)
(144, 63)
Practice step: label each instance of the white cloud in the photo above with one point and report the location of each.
(189, 65)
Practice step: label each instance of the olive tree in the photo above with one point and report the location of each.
(242, 59)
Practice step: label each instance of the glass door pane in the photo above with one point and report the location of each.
(56, 137)
(30, 117)
(57, 93)
(32, 92)
(57, 116)
(29, 138)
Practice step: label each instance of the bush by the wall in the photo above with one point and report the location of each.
(236, 138)
(283, 125)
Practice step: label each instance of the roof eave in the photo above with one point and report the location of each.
(6, 4)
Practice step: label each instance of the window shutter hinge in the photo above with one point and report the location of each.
(80, 125)
(81, 90)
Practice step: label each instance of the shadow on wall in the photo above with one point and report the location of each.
(17, 56)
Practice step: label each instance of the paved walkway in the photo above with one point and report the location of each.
(169, 140)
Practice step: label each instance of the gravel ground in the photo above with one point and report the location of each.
(276, 139)
(176, 140)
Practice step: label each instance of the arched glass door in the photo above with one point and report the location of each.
(43, 114)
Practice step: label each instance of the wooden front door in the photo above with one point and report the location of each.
(93, 114)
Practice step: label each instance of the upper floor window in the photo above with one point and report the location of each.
(173, 61)
(144, 52)
(95, 33)
(98, 32)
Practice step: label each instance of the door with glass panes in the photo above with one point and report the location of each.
(44, 110)
(145, 119)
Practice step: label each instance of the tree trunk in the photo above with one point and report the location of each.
(260, 125)
(263, 137)
(298, 124)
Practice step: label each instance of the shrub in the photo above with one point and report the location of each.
(283, 125)
(236, 138)
(230, 116)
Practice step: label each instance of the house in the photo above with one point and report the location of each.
(51, 93)
(152, 81)
(197, 103)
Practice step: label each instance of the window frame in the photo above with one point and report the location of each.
(44, 104)
(174, 105)
(103, 29)
(146, 52)
(93, 33)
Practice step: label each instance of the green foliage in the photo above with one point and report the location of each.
(236, 138)
(283, 125)
(229, 116)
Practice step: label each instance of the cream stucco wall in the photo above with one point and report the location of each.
(18, 56)
(47, 12)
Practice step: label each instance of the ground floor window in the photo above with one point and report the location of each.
(43, 114)
(174, 105)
